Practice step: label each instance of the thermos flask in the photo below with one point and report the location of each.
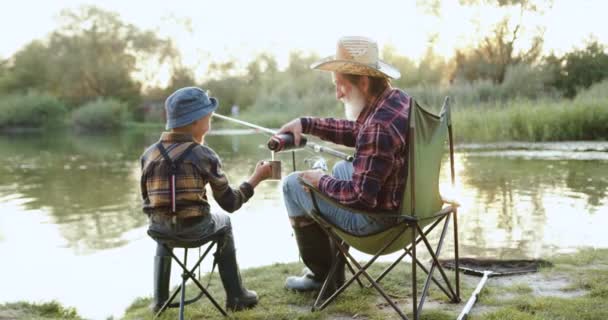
(284, 141)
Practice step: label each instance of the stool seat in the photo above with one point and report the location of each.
(170, 241)
(177, 241)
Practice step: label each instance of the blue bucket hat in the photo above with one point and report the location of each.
(187, 105)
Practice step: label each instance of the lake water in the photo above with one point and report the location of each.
(71, 227)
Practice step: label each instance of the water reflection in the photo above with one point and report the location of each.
(76, 199)
(86, 184)
(89, 186)
(517, 207)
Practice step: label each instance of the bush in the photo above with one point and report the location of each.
(33, 110)
(597, 92)
(44, 310)
(100, 115)
(527, 120)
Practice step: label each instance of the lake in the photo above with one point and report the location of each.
(71, 227)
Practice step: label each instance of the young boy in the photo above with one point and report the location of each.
(175, 171)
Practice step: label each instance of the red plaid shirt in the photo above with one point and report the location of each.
(380, 139)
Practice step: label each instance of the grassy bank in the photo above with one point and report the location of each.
(583, 118)
(575, 287)
(533, 121)
(46, 310)
(475, 119)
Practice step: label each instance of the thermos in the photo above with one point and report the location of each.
(285, 141)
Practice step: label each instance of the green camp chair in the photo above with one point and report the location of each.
(422, 209)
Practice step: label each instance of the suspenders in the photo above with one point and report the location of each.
(173, 166)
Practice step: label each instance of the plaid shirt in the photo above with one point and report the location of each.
(201, 167)
(380, 163)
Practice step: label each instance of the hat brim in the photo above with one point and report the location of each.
(188, 118)
(382, 69)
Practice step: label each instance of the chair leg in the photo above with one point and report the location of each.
(361, 271)
(456, 257)
(189, 273)
(167, 303)
(434, 264)
(421, 266)
(328, 280)
(414, 283)
(436, 260)
(394, 264)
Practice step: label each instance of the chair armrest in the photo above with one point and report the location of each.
(315, 192)
(452, 202)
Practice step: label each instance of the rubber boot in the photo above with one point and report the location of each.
(339, 276)
(316, 253)
(162, 277)
(237, 297)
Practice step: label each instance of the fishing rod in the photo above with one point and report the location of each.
(315, 147)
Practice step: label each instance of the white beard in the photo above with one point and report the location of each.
(354, 104)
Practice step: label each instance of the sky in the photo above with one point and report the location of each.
(228, 29)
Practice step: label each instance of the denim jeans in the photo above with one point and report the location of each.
(208, 225)
(299, 203)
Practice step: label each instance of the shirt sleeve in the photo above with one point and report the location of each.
(229, 199)
(142, 182)
(338, 131)
(373, 161)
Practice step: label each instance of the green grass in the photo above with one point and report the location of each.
(533, 121)
(586, 271)
(515, 120)
(46, 310)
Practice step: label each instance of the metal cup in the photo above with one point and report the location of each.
(275, 165)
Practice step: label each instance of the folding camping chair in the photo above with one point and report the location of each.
(422, 209)
(170, 243)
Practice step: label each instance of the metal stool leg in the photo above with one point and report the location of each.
(183, 293)
(181, 289)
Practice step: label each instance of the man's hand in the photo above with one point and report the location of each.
(312, 177)
(294, 126)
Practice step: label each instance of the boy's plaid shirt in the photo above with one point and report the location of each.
(201, 167)
(380, 138)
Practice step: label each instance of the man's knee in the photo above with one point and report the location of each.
(290, 183)
(343, 170)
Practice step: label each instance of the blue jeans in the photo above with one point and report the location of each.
(209, 224)
(299, 203)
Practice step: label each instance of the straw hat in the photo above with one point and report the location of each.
(357, 55)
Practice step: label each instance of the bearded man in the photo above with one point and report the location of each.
(377, 127)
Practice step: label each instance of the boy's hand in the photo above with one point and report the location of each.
(263, 170)
(294, 126)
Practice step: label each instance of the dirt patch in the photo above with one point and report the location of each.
(9, 315)
(542, 285)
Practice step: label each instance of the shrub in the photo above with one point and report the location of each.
(597, 92)
(100, 115)
(33, 110)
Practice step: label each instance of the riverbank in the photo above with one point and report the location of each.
(575, 287)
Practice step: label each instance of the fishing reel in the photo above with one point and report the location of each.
(316, 163)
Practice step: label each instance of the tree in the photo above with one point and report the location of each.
(579, 68)
(92, 54)
(29, 69)
(96, 54)
(498, 50)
